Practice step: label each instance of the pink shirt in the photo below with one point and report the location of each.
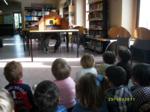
(67, 91)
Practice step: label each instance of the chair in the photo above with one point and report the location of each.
(141, 47)
(122, 36)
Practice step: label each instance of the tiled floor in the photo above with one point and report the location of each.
(13, 49)
(40, 69)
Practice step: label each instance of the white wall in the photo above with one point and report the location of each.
(80, 14)
(123, 13)
(115, 11)
(127, 14)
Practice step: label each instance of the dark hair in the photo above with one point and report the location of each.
(89, 91)
(46, 97)
(124, 54)
(60, 69)
(141, 74)
(116, 75)
(109, 57)
(87, 61)
(13, 71)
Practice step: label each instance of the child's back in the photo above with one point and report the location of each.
(124, 61)
(118, 97)
(66, 85)
(108, 60)
(20, 92)
(46, 97)
(89, 90)
(87, 63)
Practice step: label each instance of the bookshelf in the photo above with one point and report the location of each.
(32, 16)
(97, 18)
(34, 13)
(66, 10)
(97, 24)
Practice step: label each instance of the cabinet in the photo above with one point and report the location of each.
(97, 23)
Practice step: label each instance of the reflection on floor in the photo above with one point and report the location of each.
(14, 49)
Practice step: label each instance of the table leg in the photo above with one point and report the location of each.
(78, 44)
(67, 41)
(31, 50)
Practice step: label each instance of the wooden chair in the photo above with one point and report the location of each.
(117, 32)
(142, 33)
(121, 35)
(141, 47)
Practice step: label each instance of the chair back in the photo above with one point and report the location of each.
(117, 32)
(142, 33)
(121, 35)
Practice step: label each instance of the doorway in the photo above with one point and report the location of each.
(17, 21)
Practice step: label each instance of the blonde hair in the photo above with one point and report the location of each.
(6, 101)
(13, 71)
(87, 61)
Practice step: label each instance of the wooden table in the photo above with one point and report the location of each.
(52, 31)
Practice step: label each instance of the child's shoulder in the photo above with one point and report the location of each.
(119, 91)
(61, 108)
(18, 86)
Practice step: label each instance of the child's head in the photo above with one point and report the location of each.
(116, 75)
(89, 91)
(109, 57)
(124, 54)
(141, 74)
(46, 96)
(60, 69)
(6, 101)
(13, 71)
(87, 61)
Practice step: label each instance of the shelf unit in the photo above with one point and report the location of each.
(34, 14)
(97, 24)
(66, 10)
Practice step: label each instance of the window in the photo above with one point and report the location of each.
(87, 13)
(144, 16)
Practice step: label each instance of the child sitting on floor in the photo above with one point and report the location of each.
(109, 59)
(66, 85)
(141, 89)
(21, 93)
(87, 63)
(118, 96)
(125, 61)
(90, 94)
(46, 97)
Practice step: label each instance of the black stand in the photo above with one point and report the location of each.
(1, 43)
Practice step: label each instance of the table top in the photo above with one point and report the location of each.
(57, 30)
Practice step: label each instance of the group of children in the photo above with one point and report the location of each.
(101, 89)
